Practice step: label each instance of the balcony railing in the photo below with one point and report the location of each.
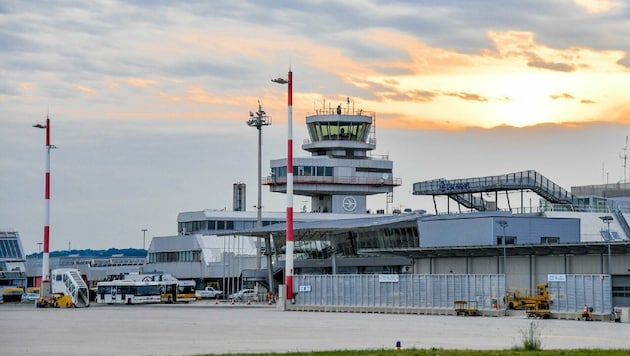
(371, 181)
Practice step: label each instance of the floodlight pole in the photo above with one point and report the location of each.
(258, 120)
(608, 219)
(503, 225)
(45, 291)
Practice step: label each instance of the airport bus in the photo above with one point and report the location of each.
(128, 292)
(179, 291)
(186, 290)
(173, 290)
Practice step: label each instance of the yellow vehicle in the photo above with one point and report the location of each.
(57, 300)
(465, 308)
(178, 291)
(12, 294)
(540, 310)
(519, 300)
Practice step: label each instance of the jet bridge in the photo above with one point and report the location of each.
(463, 190)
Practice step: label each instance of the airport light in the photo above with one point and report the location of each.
(289, 232)
(503, 225)
(45, 291)
(258, 120)
(608, 219)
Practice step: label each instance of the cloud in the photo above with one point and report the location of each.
(142, 82)
(566, 96)
(467, 96)
(560, 67)
(407, 96)
(597, 6)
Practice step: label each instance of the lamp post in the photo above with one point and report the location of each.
(144, 235)
(289, 244)
(258, 120)
(608, 219)
(503, 225)
(45, 284)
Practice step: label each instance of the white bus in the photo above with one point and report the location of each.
(173, 290)
(128, 292)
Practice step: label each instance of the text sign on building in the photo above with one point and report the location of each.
(556, 278)
(305, 288)
(388, 278)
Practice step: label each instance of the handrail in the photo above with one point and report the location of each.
(374, 181)
(520, 180)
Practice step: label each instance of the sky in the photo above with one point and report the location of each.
(148, 100)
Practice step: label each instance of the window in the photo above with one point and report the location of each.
(549, 240)
(509, 240)
(9, 248)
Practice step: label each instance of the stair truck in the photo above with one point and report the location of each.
(68, 290)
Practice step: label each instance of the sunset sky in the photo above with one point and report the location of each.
(149, 99)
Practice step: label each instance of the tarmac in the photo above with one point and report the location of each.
(204, 327)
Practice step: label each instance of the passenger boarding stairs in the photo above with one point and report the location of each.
(461, 190)
(68, 281)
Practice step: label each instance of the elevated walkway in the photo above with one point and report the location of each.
(462, 190)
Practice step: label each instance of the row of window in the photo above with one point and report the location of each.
(175, 256)
(192, 226)
(621, 292)
(317, 171)
(511, 240)
(355, 131)
(203, 226)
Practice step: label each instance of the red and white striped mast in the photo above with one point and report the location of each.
(288, 267)
(289, 251)
(45, 284)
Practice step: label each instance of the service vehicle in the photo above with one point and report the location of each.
(209, 293)
(128, 292)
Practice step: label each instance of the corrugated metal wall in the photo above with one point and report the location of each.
(426, 291)
(405, 290)
(571, 294)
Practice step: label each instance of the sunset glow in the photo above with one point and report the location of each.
(149, 100)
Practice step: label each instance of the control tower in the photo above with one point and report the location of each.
(339, 174)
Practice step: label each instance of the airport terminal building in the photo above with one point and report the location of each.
(578, 242)
(566, 234)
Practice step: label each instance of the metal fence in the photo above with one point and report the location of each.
(577, 290)
(404, 290)
(438, 291)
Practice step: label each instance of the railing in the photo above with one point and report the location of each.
(372, 181)
(520, 180)
(340, 110)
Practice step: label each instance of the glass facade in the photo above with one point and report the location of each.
(214, 226)
(339, 130)
(10, 249)
(347, 244)
(175, 256)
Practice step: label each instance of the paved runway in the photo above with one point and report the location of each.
(204, 327)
